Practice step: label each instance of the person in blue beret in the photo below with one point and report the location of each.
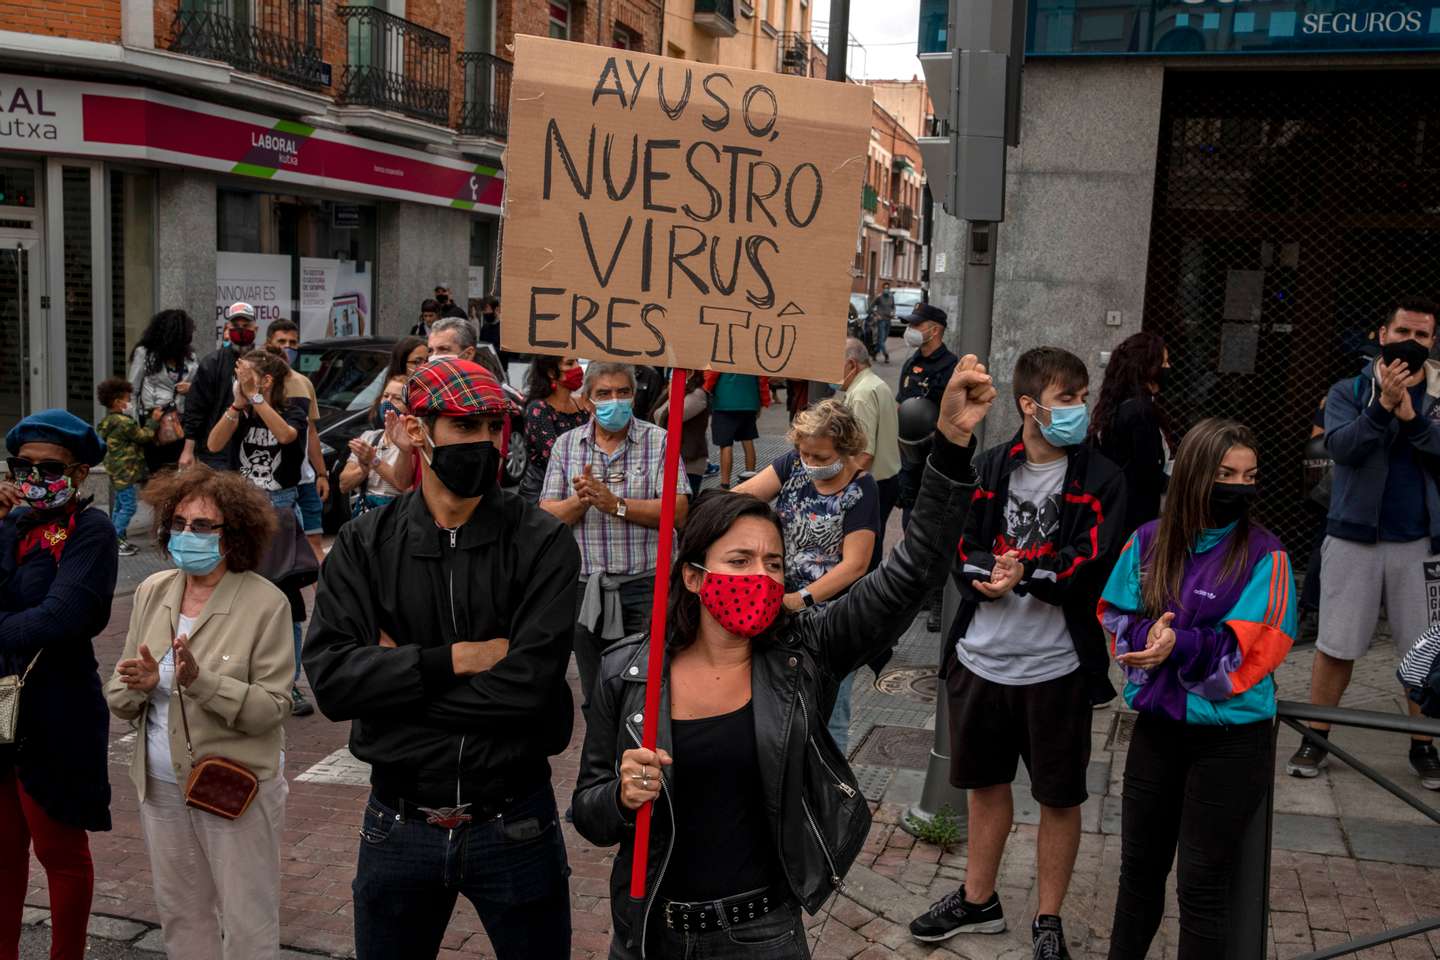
(57, 577)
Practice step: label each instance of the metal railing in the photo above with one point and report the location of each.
(485, 111)
(1250, 894)
(716, 17)
(279, 39)
(794, 53)
(395, 64)
(902, 217)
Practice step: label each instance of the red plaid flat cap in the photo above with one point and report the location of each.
(455, 388)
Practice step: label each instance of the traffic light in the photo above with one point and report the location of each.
(972, 52)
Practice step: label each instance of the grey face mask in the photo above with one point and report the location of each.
(828, 472)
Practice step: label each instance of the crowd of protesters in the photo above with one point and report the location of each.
(448, 609)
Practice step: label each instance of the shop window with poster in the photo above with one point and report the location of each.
(305, 258)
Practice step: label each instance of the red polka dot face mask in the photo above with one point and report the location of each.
(744, 604)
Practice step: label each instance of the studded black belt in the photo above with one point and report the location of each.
(718, 914)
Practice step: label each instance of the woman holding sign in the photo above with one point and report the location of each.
(757, 812)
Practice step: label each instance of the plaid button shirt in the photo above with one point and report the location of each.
(635, 471)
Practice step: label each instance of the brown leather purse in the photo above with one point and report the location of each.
(216, 785)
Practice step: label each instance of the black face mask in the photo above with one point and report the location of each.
(468, 470)
(1162, 377)
(1230, 502)
(1412, 352)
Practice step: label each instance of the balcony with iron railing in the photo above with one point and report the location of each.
(715, 17)
(395, 64)
(794, 53)
(902, 219)
(485, 111)
(279, 39)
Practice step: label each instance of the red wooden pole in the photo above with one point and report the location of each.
(673, 425)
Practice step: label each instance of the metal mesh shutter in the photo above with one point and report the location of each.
(1290, 209)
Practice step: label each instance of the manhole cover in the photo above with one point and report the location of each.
(1121, 730)
(873, 780)
(907, 747)
(916, 684)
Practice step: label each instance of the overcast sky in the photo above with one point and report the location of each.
(887, 30)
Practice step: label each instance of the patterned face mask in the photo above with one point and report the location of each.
(743, 604)
(43, 494)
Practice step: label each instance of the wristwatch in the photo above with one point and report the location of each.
(256, 399)
(805, 597)
(620, 507)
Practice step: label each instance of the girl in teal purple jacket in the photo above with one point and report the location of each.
(1200, 611)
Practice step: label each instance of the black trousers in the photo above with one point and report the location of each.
(1192, 787)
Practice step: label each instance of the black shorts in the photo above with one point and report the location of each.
(993, 725)
(728, 426)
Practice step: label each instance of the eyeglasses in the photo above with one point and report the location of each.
(48, 470)
(179, 524)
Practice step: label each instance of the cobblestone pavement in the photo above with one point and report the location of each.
(1348, 859)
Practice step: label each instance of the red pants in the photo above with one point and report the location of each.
(64, 852)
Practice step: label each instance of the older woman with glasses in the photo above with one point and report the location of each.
(57, 576)
(209, 649)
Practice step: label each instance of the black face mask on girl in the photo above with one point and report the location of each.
(1230, 501)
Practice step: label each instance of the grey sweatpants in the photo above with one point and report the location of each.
(1354, 576)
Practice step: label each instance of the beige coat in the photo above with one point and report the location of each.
(245, 647)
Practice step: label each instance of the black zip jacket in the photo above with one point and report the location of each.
(818, 818)
(510, 571)
(1087, 541)
(210, 394)
(1136, 445)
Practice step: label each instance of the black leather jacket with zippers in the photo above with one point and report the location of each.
(818, 818)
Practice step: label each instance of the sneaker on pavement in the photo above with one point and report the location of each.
(299, 706)
(1308, 760)
(1426, 764)
(1049, 938)
(712, 469)
(954, 915)
(128, 549)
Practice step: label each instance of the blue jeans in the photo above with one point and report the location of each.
(511, 867)
(280, 499)
(312, 508)
(839, 724)
(124, 510)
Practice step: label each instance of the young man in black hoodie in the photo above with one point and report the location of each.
(1026, 658)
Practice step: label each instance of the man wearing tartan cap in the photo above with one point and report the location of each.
(442, 629)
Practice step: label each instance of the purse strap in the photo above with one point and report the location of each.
(184, 720)
(31, 666)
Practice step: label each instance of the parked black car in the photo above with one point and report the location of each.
(348, 374)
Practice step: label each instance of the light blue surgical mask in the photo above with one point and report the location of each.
(1068, 425)
(291, 354)
(196, 553)
(613, 415)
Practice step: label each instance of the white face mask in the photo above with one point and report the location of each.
(914, 338)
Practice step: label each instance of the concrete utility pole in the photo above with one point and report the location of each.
(972, 69)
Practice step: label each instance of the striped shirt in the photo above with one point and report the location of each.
(635, 471)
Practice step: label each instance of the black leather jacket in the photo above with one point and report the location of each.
(818, 817)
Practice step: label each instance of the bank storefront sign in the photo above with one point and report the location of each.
(124, 122)
(1233, 26)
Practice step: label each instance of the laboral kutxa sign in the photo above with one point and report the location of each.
(680, 214)
(116, 121)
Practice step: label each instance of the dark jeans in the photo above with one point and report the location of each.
(511, 867)
(779, 935)
(635, 603)
(1194, 787)
(889, 496)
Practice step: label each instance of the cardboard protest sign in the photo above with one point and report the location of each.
(680, 214)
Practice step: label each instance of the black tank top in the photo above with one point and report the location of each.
(723, 845)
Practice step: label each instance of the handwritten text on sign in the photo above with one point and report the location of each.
(680, 214)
